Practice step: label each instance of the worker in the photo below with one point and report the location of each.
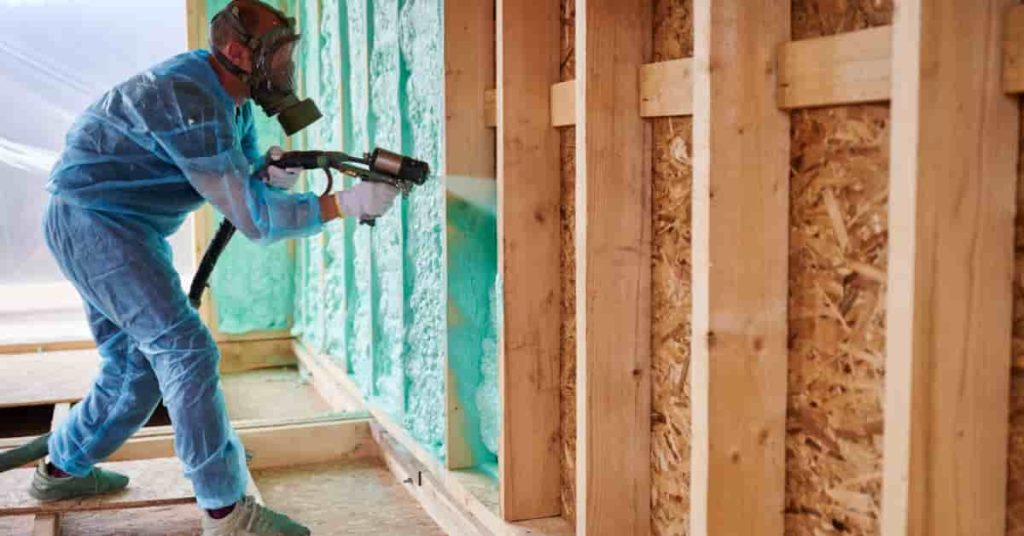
(134, 165)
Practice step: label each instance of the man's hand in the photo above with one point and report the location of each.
(366, 200)
(280, 177)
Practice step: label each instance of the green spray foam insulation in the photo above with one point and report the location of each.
(422, 101)
(394, 301)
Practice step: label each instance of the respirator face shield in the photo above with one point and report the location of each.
(272, 78)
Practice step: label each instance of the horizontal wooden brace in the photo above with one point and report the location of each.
(847, 68)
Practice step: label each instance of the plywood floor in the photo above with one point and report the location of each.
(358, 497)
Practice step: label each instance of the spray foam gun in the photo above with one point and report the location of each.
(381, 166)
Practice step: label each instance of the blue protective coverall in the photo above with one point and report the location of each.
(134, 165)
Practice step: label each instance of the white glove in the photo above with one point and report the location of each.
(280, 177)
(366, 200)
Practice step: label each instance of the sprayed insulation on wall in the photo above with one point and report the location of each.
(393, 302)
(253, 285)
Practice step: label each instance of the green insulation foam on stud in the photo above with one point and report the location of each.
(487, 396)
(252, 286)
(422, 101)
(359, 322)
(330, 132)
(315, 329)
(389, 305)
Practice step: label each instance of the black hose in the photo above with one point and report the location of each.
(213, 251)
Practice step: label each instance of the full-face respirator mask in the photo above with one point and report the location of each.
(272, 80)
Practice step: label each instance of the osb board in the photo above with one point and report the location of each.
(153, 483)
(176, 520)
(815, 18)
(1015, 484)
(38, 379)
(670, 288)
(275, 393)
(353, 497)
(568, 263)
(838, 251)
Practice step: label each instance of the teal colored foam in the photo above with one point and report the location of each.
(252, 286)
(384, 123)
(422, 286)
(472, 269)
(330, 129)
(487, 396)
(358, 281)
(422, 102)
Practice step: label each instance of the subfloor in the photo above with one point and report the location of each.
(357, 497)
(352, 497)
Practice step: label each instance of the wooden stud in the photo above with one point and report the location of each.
(469, 151)
(740, 247)
(491, 108)
(1013, 50)
(529, 230)
(846, 68)
(613, 256)
(952, 203)
(666, 88)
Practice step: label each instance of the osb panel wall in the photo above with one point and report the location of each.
(670, 293)
(1015, 488)
(568, 144)
(838, 256)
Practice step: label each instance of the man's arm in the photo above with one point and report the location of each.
(198, 134)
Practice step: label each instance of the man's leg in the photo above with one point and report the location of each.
(121, 401)
(126, 273)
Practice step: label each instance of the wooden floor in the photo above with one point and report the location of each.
(359, 497)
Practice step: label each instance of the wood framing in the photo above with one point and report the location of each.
(740, 237)
(846, 68)
(278, 443)
(1013, 50)
(951, 212)
(563, 104)
(613, 250)
(529, 234)
(469, 151)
